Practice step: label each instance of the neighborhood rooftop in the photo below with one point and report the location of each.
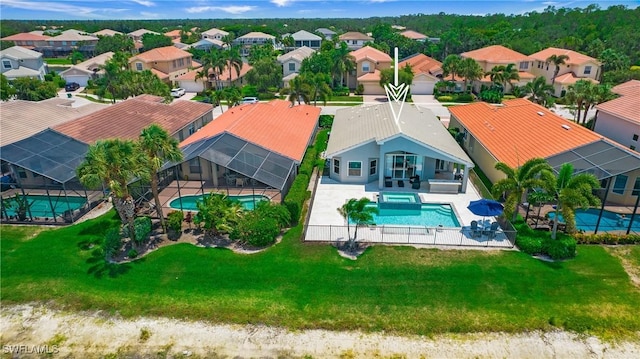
(495, 54)
(126, 119)
(575, 58)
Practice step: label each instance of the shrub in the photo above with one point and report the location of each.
(142, 226)
(132, 253)
(606, 238)
(508, 97)
(529, 245)
(561, 248)
(284, 91)
(249, 91)
(266, 96)
(306, 167)
(112, 242)
(278, 212)
(326, 121)
(445, 98)
(359, 89)
(296, 196)
(174, 221)
(256, 230)
(491, 96)
(340, 91)
(465, 97)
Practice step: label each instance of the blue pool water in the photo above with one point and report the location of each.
(586, 221)
(189, 202)
(429, 215)
(41, 205)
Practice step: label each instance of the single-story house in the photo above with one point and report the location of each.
(521, 130)
(368, 144)
(619, 119)
(207, 43)
(426, 73)
(17, 61)
(87, 70)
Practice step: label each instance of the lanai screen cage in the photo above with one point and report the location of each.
(618, 170)
(39, 183)
(230, 165)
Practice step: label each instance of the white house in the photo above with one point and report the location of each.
(327, 33)
(251, 39)
(20, 62)
(619, 119)
(214, 34)
(291, 62)
(87, 70)
(305, 38)
(355, 40)
(368, 144)
(207, 43)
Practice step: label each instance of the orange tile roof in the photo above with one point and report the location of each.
(627, 107)
(495, 54)
(127, 118)
(422, 63)
(371, 76)
(631, 87)
(191, 75)
(173, 33)
(516, 132)
(25, 36)
(575, 58)
(569, 78)
(413, 35)
(161, 75)
(166, 53)
(274, 125)
(370, 53)
(523, 76)
(354, 35)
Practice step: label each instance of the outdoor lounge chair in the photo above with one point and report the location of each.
(415, 182)
(475, 231)
(491, 233)
(387, 182)
(400, 183)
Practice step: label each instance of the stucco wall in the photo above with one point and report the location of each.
(617, 129)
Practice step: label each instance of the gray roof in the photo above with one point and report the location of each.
(21, 119)
(325, 31)
(89, 65)
(19, 52)
(298, 54)
(73, 35)
(306, 36)
(355, 126)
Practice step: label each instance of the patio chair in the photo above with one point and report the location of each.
(475, 231)
(388, 182)
(492, 230)
(400, 183)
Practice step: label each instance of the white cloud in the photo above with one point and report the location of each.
(149, 15)
(51, 6)
(146, 3)
(235, 10)
(281, 3)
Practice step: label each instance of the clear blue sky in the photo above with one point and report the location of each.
(216, 9)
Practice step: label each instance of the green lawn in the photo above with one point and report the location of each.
(57, 61)
(395, 289)
(346, 99)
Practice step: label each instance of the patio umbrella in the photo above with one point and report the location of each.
(485, 208)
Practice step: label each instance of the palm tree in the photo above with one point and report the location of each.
(572, 191)
(497, 75)
(602, 94)
(318, 86)
(217, 213)
(518, 181)
(233, 96)
(227, 40)
(471, 71)
(217, 96)
(343, 62)
(234, 60)
(299, 89)
(578, 95)
(358, 212)
(114, 163)
(557, 60)
(510, 73)
(159, 147)
(213, 64)
(451, 66)
(288, 43)
(539, 90)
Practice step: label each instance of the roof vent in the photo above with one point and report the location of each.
(540, 113)
(566, 127)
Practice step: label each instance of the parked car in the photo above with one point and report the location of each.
(71, 86)
(249, 100)
(178, 92)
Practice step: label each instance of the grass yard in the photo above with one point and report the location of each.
(395, 289)
(58, 61)
(355, 98)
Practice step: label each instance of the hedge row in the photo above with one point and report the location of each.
(561, 248)
(606, 238)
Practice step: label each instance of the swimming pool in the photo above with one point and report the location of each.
(399, 200)
(41, 205)
(586, 221)
(189, 202)
(429, 215)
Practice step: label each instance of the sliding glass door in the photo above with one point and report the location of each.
(403, 166)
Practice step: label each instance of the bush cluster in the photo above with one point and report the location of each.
(174, 220)
(462, 97)
(340, 91)
(561, 248)
(607, 238)
(326, 121)
(142, 227)
(262, 226)
(112, 242)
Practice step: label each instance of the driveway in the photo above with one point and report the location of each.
(186, 96)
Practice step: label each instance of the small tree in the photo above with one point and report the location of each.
(357, 212)
(217, 213)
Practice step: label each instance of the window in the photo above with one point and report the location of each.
(355, 169)
(373, 167)
(192, 128)
(524, 65)
(22, 174)
(365, 66)
(635, 137)
(174, 64)
(292, 66)
(194, 165)
(336, 166)
(620, 184)
(6, 64)
(636, 187)
(180, 62)
(632, 147)
(139, 66)
(587, 70)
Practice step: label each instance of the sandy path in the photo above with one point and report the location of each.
(86, 335)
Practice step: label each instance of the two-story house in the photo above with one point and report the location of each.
(137, 35)
(87, 70)
(305, 38)
(27, 40)
(497, 55)
(168, 63)
(215, 34)
(414, 35)
(21, 62)
(326, 33)
(291, 62)
(577, 67)
(426, 73)
(619, 119)
(369, 62)
(355, 40)
(253, 38)
(175, 35)
(106, 32)
(68, 41)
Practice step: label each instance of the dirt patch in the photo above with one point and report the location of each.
(623, 253)
(94, 334)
